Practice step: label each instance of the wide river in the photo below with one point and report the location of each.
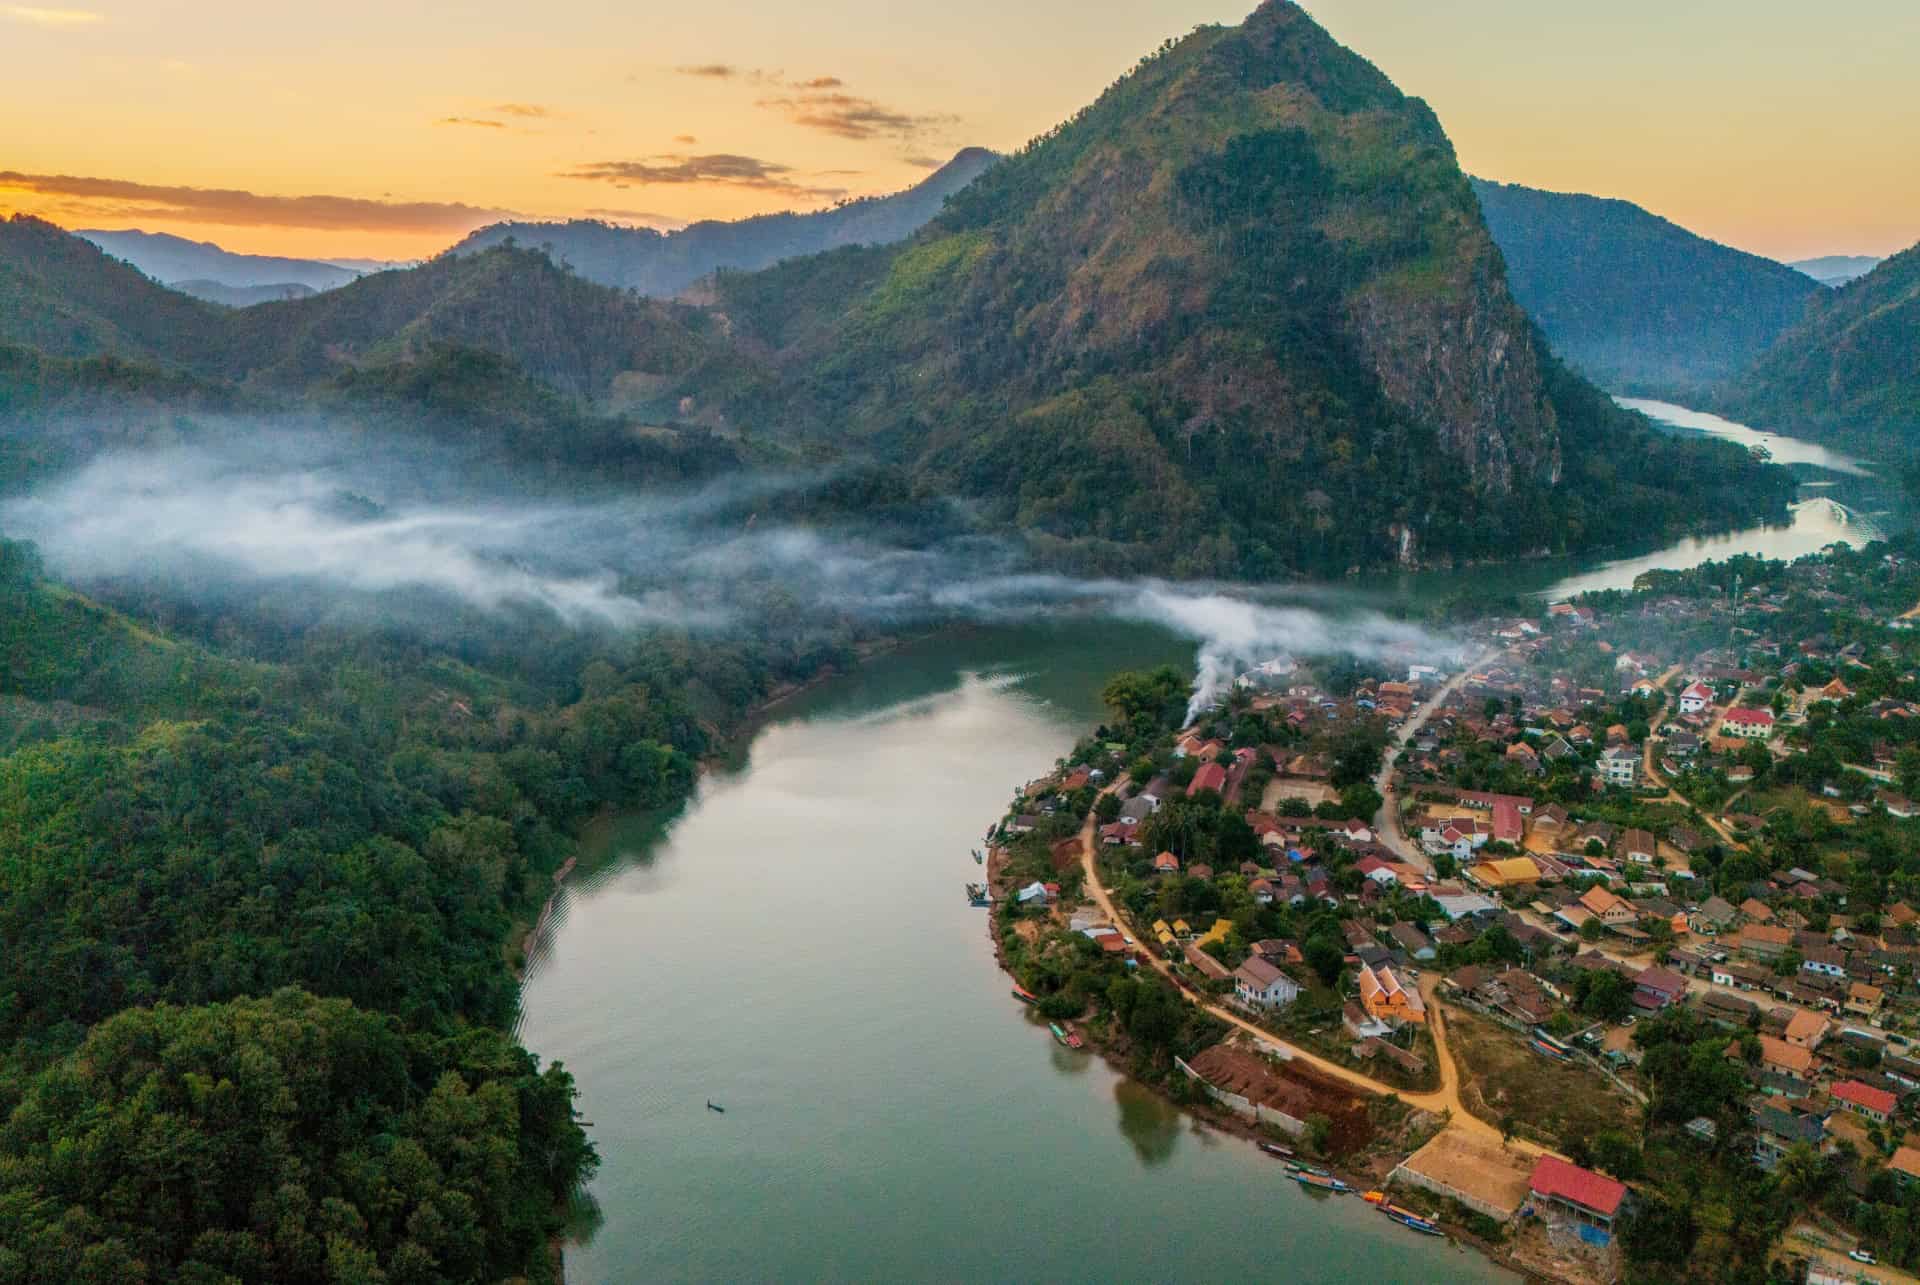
(794, 945)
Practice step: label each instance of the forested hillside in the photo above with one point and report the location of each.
(1239, 316)
(194, 844)
(663, 264)
(1637, 304)
(1850, 372)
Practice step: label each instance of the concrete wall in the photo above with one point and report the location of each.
(1414, 1178)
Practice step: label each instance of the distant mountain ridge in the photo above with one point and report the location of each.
(1837, 269)
(1850, 371)
(663, 264)
(171, 259)
(1635, 302)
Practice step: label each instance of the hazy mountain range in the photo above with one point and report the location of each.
(666, 263)
(1837, 269)
(1639, 304)
(206, 271)
(1241, 316)
(1849, 370)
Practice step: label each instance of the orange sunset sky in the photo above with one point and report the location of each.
(390, 129)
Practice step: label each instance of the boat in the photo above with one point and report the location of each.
(979, 857)
(1073, 1039)
(1024, 995)
(718, 1110)
(1407, 1218)
(1321, 1182)
(1275, 1149)
(1295, 1167)
(1374, 1197)
(1059, 1035)
(977, 895)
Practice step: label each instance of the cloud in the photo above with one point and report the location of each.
(52, 17)
(233, 207)
(924, 162)
(525, 111)
(473, 121)
(851, 116)
(820, 82)
(710, 71)
(720, 169)
(685, 138)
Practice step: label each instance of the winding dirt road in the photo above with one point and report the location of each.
(1444, 1100)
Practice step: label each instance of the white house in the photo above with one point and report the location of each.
(1259, 983)
(1695, 698)
(1754, 724)
(1621, 765)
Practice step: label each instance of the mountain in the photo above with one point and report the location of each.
(64, 297)
(241, 296)
(1836, 269)
(1851, 370)
(1636, 303)
(1239, 315)
(664, 264)
(172, 259)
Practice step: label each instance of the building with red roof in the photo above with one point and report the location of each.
(1876, 1105)
(1756, 724)
(1211, 776)
(1592, 1198)
(1507, 826)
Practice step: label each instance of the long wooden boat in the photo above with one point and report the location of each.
(1024, 995)
(1297, 1167)
(1275, 1149)
(1407, 1218)
(1321, 1182)
(1059, 1035)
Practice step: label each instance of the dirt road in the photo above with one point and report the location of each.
(1445, 1099)
(1387, 823)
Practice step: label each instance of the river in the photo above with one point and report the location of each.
(793, 944)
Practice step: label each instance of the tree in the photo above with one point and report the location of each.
(1326, 955)
(1592, 929)
(1603, 993)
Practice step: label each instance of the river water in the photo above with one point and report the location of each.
(794, 945)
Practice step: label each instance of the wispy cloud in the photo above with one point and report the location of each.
(52, 17)
(924, 162)
(233, 207)
(474, 122)
(525, 111)
(710, 70)
(685, 138)
(851, 116)
(720, 169)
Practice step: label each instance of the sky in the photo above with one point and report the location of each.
(378, 129)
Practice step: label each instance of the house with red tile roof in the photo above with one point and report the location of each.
(1877, 1105)
(1593, 1199)
(1754, 724)
(1211, 776)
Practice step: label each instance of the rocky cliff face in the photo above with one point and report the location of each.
(1462, 358)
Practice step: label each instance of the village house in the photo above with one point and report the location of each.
(1259, 983)
(1807, 1030)
(1714, 915)
(1864, 1000)
(1753, 724)
(1864, 1100)
(1620, 766)
(1695, 698)
(1764, 941)
(1384, 997)
(1612, 911)
(1638, 846)
(1782, 1058)
(1592, 1199)
(1777, 1132)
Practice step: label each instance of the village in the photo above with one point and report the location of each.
(1633, 890)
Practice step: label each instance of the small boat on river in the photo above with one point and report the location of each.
(977, 895)
(1065, 1036)
(1407, 1218)
(1275, 1149)
(1296, 1167)
(1024, 995)
(1321, 1182)
(715, 1108)
(979, 857)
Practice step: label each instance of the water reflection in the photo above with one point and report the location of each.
(1147, 1122)
(1783, 450)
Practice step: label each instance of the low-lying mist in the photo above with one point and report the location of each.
(373, 529)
